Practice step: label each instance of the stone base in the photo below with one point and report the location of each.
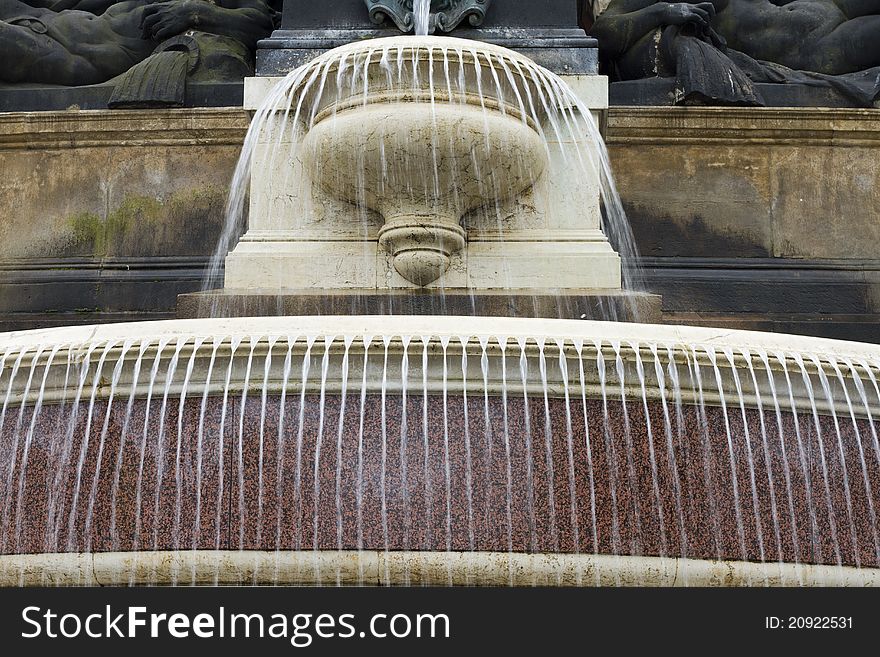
(563, 51)
(525, 260)
(547, 31)
(756, 218)
(659, 91)
(110, 214)
(413, 568)
(572, 304)
(48, 97)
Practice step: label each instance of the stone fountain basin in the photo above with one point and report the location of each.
(415, 158)
(424, 149)
(423, 167)
(203, 459)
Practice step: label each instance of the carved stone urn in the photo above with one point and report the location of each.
(429, 130)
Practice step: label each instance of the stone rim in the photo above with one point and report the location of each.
(574, 336)
(412, 568)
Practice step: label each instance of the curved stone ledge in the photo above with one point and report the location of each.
(808, 126)
(103, 128)
(376, 568)
(801, 367)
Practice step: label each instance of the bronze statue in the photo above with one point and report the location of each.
(717, 49)
(55, 44)
(825, 36)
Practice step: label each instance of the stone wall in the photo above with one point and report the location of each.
(754, 218)
(108, 215)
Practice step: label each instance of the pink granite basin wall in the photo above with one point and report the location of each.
(227, 482)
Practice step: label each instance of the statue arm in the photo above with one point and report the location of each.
(625, 22)
(247, 21)
(620, 26)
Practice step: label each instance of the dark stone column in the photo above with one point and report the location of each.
(545, 30)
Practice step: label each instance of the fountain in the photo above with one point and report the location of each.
(347, 445)
(478, 175)
(424, 164)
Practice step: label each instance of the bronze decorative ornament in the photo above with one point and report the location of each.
(445, 15)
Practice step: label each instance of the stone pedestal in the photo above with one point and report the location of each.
(548, 237)
(546, 31)
(548, 303)
(305, 239)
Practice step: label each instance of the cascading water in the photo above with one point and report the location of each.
(328, 450)
(442, 73)
(433, 450)
(421, 16)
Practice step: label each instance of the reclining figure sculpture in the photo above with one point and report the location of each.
(86, 42)
(718, 48)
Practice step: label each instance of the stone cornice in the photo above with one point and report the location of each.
(626, 125)
(738, 125)
(98, 128)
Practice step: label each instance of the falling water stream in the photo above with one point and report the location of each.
(421, 16)
(298, 439)
(532, 94)
(270, 445)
